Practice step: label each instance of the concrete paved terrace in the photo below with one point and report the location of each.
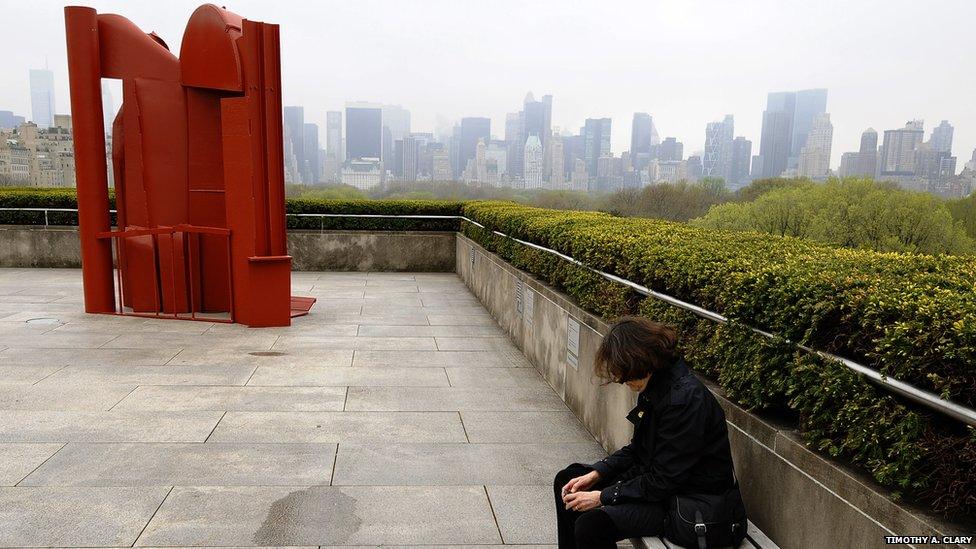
(396, 413)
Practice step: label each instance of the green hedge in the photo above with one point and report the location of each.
(19, 197)
(66, 198)
(382, 207)
(910, 316)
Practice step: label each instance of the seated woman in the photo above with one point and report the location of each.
(680, 444)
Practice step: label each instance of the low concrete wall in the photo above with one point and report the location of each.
(371, 251)
(33, 246)
(797, 497)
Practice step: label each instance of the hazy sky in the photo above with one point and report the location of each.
(687, 62)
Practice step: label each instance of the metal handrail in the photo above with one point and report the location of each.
(921, 396)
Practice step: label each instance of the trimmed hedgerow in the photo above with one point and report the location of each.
(383, 207)
(910, 316)
(22, 197)
(66, 198)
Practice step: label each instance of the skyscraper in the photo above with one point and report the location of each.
(294, 137)
(741, 158)
(333, 135)
(848, 165)
(809, 104)
(941, 139)
(42, 97)
(8, 120)
(515, 139)
(777, 133)
(814, 161)
(898, 151)
(396, 126)
(534, 117)
(670, 150)
(596, 143)
(546, 137)
(557, 177)
(364, 131)
(440, 160)
(472, 130)
(693, 168)
(312, 170)
(641, 139)
(717, 159)
(409, 155)
(533, 162)
(866, 162)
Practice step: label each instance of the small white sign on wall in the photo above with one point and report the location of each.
(572, 343)
(529, 306)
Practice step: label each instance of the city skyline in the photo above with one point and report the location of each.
(588, 67)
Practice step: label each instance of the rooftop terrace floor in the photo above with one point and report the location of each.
(396, 413)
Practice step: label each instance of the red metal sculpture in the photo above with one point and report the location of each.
(198, 169)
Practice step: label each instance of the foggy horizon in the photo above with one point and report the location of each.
(685, 63)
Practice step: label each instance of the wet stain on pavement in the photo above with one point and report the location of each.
(313, 516)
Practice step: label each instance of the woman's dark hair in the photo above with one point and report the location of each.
(635, 348)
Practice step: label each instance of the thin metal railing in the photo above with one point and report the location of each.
(915, 394)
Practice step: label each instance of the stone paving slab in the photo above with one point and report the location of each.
(439, 358)
(343, 377)
(456, 464)
(60, 340)
(523, 427)
(286, 343)
(55, 426)
(304, 328)
(68, 357)
(18, 460)
(434, 399)
(344, 427)
(430, 331)
(218, 516)
(24, 374)
(376, 319)
(518, 546)
(475, 344)
(501, 377)
(120, 324)
(76, 517)
(198, 356)
(46, 395)
(172, 398)
(461, 320)
(152, 375)
(525, 513)
(253, 340)
(113, 464)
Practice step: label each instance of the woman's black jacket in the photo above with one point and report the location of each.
(680, 443)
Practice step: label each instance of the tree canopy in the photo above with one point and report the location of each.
(851, 213)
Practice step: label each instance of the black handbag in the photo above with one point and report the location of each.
(707, 520)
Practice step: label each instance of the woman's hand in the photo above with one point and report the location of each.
(581, 483)
(582, 501)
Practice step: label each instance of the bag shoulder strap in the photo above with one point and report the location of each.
(700, 530)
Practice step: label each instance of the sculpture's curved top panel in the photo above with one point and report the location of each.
(208, 55)
(127, 52)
